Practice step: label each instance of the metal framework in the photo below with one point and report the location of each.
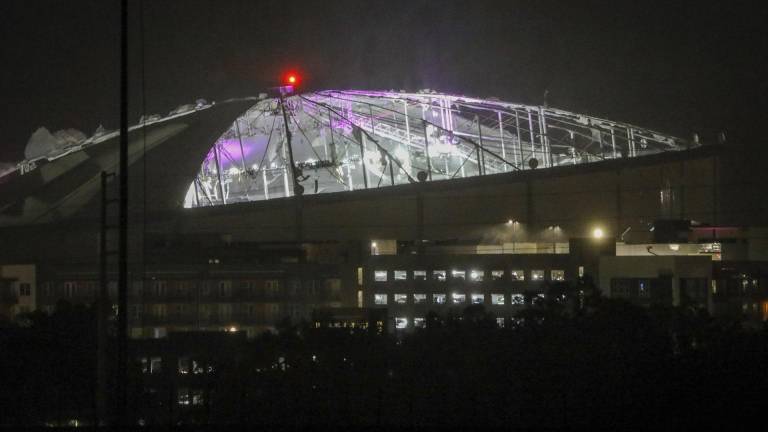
(349, 140)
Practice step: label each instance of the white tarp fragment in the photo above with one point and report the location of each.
(40, 144)
(43, 143)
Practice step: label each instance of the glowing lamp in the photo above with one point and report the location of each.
(291, 79)
(598, 233)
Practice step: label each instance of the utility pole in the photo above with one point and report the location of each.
(122, 285)
(296, 184)
(103, 307)
(298, 189)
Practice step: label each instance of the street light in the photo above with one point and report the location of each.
(598, 233)
(554, 229)
(513, 223)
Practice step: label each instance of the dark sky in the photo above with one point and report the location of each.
(676, 66)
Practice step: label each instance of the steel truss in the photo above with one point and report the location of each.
(348, 140)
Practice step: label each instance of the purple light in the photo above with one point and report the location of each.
(253, 148)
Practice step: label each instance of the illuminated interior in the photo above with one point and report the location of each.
(352, 140)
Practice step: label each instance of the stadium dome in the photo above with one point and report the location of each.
(351, 140)
(340, 140)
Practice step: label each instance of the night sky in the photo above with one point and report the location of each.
(674, 66)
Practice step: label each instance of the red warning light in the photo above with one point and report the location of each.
(291, 79)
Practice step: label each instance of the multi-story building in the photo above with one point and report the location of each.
(212, 297)
(411, 286)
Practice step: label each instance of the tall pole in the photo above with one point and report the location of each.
(102, 314)
(298, 190)
(122, 317)
(288, 142)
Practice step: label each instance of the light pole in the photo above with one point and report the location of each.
(513, 223)
(553, 228)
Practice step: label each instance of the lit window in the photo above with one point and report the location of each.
(459, 298)
(539, 299)
(517, 275)
(537, 275)
(438, 275)
(401, 298)
(184, 365)
(497, 299)
(642, 289)
(500, 322)
(401, 275)
(401, 322)
(419, 298)
(581, 271)
(438, 298)
(497, 275)
(419, 322)
(155, 365)
(419, 275)
(517, 299)
(380, 299)
(380, 275)
(476, 275)
(557, 275)
(478, 298)
(197, 397)
(183, 397)
(458, 274)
